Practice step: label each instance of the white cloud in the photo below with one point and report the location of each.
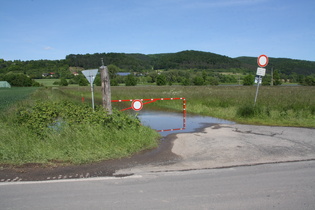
(48, 48)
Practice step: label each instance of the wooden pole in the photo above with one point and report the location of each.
(106, 92)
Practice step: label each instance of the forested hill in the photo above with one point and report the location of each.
(284, 65)
(193, 59)
(141, 62)
(135, 62)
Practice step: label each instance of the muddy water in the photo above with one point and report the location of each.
(159, 120)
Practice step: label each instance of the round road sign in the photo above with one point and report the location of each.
(262, 60)
(137, 105)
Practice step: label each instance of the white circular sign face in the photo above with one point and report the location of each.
(262, 60)
(137, 105)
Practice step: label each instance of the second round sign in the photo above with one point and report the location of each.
(137, 105)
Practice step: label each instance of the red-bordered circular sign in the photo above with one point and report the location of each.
(137, 105)
(262, 60)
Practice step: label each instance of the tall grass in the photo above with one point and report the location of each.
(88, 143)
(51, 128)
(286, 106)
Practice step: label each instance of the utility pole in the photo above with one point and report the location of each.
(106, 92)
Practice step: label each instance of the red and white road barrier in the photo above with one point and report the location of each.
(137, 104)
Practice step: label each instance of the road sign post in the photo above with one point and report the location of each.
(90, 76)
(262, 61)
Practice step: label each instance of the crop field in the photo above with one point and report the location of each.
(9, 96)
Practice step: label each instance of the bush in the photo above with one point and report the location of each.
(248, 80)
(248, 111)
(46, 115)
(131, 80)
(63, 82)
(19, 80)
(161, 80)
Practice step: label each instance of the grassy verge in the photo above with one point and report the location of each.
(53, 129)
(281, 106)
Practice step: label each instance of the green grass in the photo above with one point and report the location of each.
(10, 96)
(281, 106)
(47, 82)
(54, 129)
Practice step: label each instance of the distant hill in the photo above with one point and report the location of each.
(193, 60)
(137, 62)
(180, 60)
(283, 65)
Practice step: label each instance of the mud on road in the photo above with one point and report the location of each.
(214, 147)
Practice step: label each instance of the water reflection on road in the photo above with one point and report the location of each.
(159, 120)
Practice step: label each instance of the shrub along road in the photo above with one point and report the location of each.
(216, 147)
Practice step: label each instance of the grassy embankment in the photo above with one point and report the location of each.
(49, 128)
(279, 106)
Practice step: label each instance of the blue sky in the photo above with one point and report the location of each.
(52, 29)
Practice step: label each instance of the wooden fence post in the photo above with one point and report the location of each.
(106, 92)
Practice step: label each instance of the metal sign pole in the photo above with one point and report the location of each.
(90, 76)
(259, 77)
(92, 90)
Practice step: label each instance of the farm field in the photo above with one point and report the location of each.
(9, 96)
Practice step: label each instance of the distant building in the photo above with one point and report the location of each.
(123, 73)
(4, 84)
(50, 74)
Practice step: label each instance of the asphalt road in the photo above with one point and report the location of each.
(223, 167)
(271, 186)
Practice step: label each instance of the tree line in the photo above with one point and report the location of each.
(186, 67)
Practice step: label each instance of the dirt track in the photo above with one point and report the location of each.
(217, 146)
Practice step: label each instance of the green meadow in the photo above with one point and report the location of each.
(278, 106)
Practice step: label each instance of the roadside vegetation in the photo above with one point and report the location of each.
(49, 128)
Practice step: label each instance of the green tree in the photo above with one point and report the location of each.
(63, 82)
(186, 82)
(83, 82)
(266, 80)
(276, 78)
(204, 76)
(213, 80)
(161, 80)
(131, 80)
(309, 80)
(198, 81)
(248, 80)
(113, 70)
(18, 80)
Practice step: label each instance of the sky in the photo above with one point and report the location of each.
(52, 29)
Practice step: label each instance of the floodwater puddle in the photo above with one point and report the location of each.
(174, 122)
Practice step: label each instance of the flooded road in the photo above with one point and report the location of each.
(159, 120)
